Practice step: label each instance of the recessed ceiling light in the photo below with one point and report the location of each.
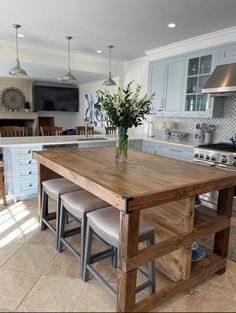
(99, 51)
(20, 35)
(172, 25)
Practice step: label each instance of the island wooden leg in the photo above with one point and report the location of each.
(42, 175)
(128, 247)
(221, 242)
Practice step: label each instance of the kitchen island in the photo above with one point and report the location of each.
(21, 175)
(134, 187)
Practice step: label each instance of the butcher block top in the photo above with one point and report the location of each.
(144, 181)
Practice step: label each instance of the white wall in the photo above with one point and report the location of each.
(92, 88)
(137, 71)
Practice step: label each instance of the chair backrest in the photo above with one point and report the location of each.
(51, 130)
(80, 130)
(12, 131)
(110, 130)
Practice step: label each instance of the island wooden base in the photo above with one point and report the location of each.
(138, 185)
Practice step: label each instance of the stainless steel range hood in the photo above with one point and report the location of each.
(222, 81)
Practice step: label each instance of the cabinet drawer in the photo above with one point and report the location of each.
(27, 151)
(177, 152)
(28, 172)
(26, 161)
(29, 186)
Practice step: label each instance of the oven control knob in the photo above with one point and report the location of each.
(201, 156)
(207, 157)
(224, 160)
(196, 155)
(213, 158)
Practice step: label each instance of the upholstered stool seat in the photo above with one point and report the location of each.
(54, 188)
(105, 223)
(77, 205)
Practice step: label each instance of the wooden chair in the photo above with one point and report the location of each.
(110, 130)
(51, 130)
(12, 131)
(80, 130)
(2, 187)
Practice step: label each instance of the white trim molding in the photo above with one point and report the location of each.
(217, 38)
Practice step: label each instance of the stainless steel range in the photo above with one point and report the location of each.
(220, 155)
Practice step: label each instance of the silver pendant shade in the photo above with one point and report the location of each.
(17, 70)
(109, 81)
(68, 76)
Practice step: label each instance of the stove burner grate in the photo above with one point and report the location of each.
(222, 146)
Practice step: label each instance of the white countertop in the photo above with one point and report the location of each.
(74, 139)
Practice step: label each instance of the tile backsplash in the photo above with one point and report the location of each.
(225, 127)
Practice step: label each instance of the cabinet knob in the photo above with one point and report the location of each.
(30, 161)
(30, 185)
(29, 151)
(30, 172)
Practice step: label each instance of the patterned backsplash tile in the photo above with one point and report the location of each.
(225, 127)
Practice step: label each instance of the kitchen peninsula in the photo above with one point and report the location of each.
(138, 185)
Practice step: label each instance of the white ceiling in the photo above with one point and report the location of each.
(133, 26)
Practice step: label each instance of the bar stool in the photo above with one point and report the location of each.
(77, 204)
(105, 223)
(54, 188)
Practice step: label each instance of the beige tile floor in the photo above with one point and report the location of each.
(34, 277)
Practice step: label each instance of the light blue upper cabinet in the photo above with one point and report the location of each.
(157, 84)
(227, 54)
(166, 79)
(173, 86)
(198, 68)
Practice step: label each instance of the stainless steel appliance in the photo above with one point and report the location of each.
(222, 81)
(221, 155)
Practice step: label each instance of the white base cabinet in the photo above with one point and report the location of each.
(21, 172)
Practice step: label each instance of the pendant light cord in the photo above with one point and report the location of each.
(110, 61)
(68, 54)
(17, 57)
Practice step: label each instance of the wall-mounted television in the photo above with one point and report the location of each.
(56, 98)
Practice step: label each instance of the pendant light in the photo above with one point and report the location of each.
(109, 81)
(68, 76)
(17, 70)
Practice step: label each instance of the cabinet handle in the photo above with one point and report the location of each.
(173, 150)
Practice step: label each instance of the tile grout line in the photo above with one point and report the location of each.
(79, 300)
(40, 277)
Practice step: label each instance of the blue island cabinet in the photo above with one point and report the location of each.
(21, 172)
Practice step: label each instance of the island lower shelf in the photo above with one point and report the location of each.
(173, 222)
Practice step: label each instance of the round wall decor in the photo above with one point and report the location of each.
(13, 99)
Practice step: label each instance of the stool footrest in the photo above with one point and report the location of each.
(45, 221)
(51, 216)
(108, 287)
(71, 248)
(101, 255)
(143, 286)
(72, 232)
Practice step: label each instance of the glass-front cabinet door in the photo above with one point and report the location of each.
(199, 70)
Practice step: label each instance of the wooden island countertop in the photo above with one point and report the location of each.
(143, 182)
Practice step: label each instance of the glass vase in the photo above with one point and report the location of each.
(122, 144)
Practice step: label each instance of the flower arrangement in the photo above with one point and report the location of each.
(124, 109)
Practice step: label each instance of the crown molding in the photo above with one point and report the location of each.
(208, 40)
(57, 58)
